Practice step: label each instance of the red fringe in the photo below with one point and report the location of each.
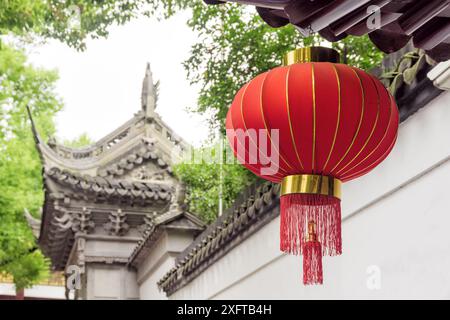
(297, 210)
(312, 263)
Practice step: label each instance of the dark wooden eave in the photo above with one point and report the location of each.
(425, 22)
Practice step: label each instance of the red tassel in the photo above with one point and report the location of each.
(297, 210)
(312, 263)
(312, 258)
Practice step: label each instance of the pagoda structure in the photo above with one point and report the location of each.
(102, 200)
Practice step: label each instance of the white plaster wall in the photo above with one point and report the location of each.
(148, 288)
(395, 219)
(107, 282)
(159, 261)
(153, 268)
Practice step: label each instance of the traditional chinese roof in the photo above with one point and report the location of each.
(144, 138)
(107, 189)
(404, 73)
(76, 204)
(425, 22)
(140, 140)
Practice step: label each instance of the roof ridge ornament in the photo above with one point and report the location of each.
(149, 93)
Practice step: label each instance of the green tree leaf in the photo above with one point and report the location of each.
(20, 167)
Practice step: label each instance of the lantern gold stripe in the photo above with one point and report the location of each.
(243, 119)
(385, 153)
(338, 117)
(245, 125)
(232, 124)
(288, 107)
(378, 145)
(314, 118)
(371, 132)
(265, 124)
(360, 121)
(237, 140)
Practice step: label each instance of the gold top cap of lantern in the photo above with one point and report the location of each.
(311, 54)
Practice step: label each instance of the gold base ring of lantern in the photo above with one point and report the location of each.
(311, 184)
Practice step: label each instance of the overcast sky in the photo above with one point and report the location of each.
(101, 87)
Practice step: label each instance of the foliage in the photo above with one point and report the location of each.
(71, 21)
(19, 16)
(75, 20)
(20, 168)
(28, 269)
(232, 49)
(203, 182)
(81, 141)
(359, 52)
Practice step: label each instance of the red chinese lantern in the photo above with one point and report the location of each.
(323, 123)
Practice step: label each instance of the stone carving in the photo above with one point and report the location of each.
(81, 243)
(140, 173)
(144, 155)
(117, 138)
(52, 142)
(143, 173)
(178, 202)
(82, 222)
(64, 221)
(117, 225)
(149, 222)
